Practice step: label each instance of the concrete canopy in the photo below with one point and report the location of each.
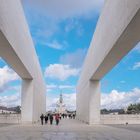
(117, 32)
(17, 49)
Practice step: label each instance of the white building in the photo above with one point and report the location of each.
(6, 111)
(60, 106)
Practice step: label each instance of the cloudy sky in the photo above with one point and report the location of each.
(62, 31)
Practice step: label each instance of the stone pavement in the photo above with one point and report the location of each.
(70, 130)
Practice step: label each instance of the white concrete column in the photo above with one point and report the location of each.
(88, 103)
(27, 101)
(94, 106)
(16, 48)
(33, 101)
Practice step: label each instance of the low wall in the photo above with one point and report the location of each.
(10, 118)
(120, 119)
(105, 119)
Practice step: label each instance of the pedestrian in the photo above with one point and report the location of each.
(51, 119)
(73, 116)
(42, 118)
(57, 118)
(46, 119)
(63, 115)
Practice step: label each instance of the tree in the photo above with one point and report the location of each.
(18, 109)
(104, 111)
(133, 108)
(121, 111)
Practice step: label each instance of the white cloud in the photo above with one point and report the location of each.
(113, 100)
(65, 8)
(16, 88)
(69, 101)
(51, 103)
(74, 59)
(6, 75)
(118, 99)
(60, 71)
(74, 25)
(136, 66)
(11, 100)
(56, 45)
(66, 87)
(53, 86)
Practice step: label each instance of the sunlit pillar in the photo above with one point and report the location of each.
(88, 103)
(27, 101)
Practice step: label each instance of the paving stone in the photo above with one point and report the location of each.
(69, 130)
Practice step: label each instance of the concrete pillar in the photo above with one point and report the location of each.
(94, 106)
(27, 101)
(121, 21)
(16, 48)
(33, 101)
(88, 103)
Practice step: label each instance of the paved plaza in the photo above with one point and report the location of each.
(70, 130)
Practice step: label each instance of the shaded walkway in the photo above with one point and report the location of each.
(68, 130)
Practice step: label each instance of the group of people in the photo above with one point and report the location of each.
(50, 118)
(70, 116)
(57, 117)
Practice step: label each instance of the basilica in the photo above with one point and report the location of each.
(60, 106)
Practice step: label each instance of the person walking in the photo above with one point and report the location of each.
(63, 115)
(46, 119)
(73, 116)
(51, 119)
(60, 115)
(42, 118)
(57, 118)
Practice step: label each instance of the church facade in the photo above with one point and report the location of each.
(60, 106)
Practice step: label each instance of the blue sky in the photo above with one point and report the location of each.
(124, 76)
(62, 31)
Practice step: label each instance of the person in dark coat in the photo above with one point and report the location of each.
(73, 116)
(42, 118)
(60, 115)
(46, 119)
(51, 119)
(63, 115)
